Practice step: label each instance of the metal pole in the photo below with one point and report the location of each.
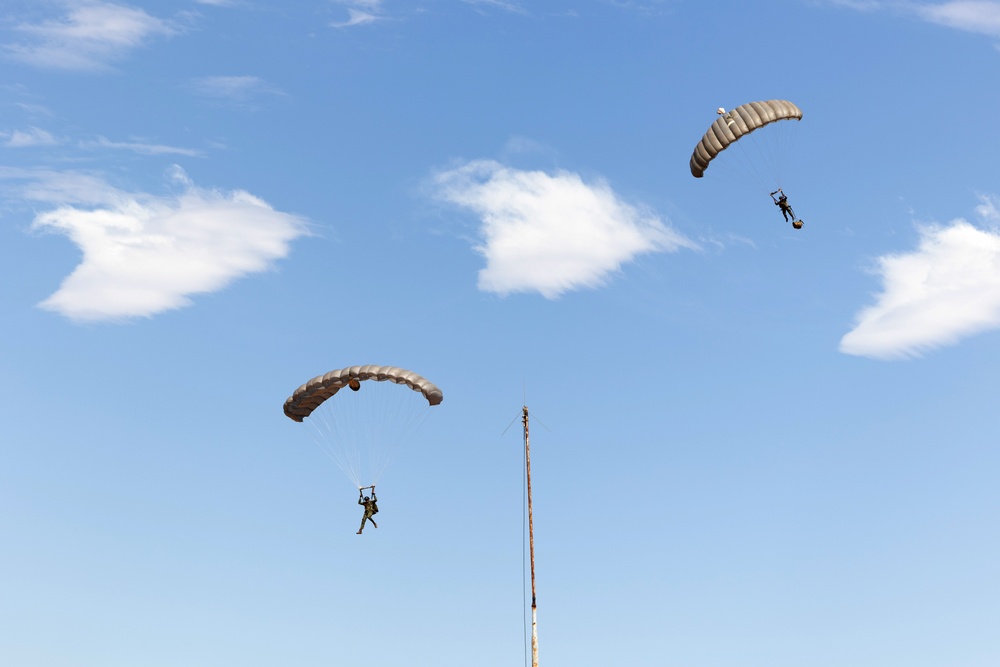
(531, 547)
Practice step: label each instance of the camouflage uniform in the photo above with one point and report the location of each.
(371, 509)
(782, 203)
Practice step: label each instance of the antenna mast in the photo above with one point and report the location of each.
(531, 543)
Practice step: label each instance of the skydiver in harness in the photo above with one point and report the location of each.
(371, 508)
(786, 208)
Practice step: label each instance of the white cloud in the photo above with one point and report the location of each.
(355, 17)
(860, 5)
(988, 211)
(970, 15)
(49, 187)
(359, 12)
(89, 37)
(141, 147)
(35, 109)
(144, 255)
(551, 233)
(978, 16)
(499, 4)
(369, 5)
(33, 136)
(945, 290)
(239, 89)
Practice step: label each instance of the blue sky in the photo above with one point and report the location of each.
(761, 446)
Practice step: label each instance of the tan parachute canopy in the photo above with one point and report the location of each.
(313, 393)
(732, 125)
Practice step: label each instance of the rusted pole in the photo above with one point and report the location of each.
(531, 545)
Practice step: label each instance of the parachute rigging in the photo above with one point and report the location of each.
(361, 430)
(756, 141)
(730, 126)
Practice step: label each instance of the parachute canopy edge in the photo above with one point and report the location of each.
(313, 393)
(732, 125)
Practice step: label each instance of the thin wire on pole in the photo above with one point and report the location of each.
(524, 573)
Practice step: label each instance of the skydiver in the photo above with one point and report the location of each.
(370, 508)
(782, 202)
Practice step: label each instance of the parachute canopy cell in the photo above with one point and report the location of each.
(313, 393)
(738, 122)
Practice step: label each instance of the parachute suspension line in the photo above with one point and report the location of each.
(787, 142)
(757, 156)
(324, 432)
(387, 405)
(765, 159)
(331, 429)
(361, 415)
(362, 431)
(759, 150)
(743, 159)
(372, 420)
(749, 162)
(779, 143)
(410, 412)
(771, 151)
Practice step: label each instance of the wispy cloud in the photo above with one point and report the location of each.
(359, 12)
(977, 16)
(369, 5)
(235, 89)
(89, 37)
(551, 233)
(144, 254)
(506, 5)
(945, 290)
(355, 17)
(861, 5)
(34, 109)
(141, 147)
(33, 136)
(49, 187)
